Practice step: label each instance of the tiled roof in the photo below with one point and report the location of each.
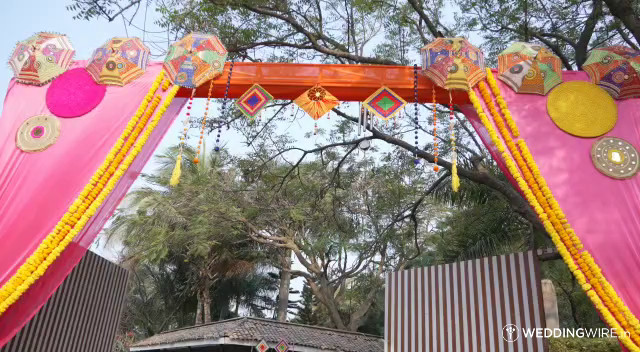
(255, 329)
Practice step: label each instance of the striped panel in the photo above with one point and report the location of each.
(464, 306)
(82, 315)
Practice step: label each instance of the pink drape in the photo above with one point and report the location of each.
(37, 189)
(604, 212)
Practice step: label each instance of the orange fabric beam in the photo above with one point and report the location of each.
(347, 82)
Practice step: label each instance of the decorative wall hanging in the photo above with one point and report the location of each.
(253, 101)
(282, 346)
(384, 103)
(119, 61)
(615, 69)
(38, 133)
(416, 161)
(316, 101)
(529, 68)
(453, 63)
(195, 59)
(223, 111)
(74, 93)
(41, 57)
(262, 346)
(582, 109)
(615, 157)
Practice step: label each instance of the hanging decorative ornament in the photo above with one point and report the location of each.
(224, 107)
(119, 61)
(436, 168)
(316, 102)
(38, 133)
(204, 123)
(416, 161)
(615, 157)
(195, 59)
(582, 109)
(455, 180)
(177, 170)
(384, 103)
(253, 101)
(453, 63)
(41, 57)
(74, 93)
(616, 69)
(262, 346)
(529, 68)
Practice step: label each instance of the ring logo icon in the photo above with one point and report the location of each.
(510, 333)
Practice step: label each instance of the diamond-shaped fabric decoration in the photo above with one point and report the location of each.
(262, 346)
(316, 101)
(282, 346)
(384, 103)
(253, 101)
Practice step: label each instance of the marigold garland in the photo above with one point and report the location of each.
(91, 198)
(586, 264)
(553, 219)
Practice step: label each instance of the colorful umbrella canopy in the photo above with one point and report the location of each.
(195, 59)
(119, 61)
(453, 63)
(529, 68)
(41, 58)
(616, 69)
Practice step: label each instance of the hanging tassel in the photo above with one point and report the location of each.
(177, 171)
(455, 180)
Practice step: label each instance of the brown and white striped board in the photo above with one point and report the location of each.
(464, 306)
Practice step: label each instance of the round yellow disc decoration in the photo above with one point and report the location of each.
(38, 133)
(582, 109)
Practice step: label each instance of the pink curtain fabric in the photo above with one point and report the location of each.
(37, 189)
(605, 213)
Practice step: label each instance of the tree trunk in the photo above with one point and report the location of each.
(623, 9)
(199, 309)
(285, 282)
(206, 301)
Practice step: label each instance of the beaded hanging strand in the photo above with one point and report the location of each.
(416, 161)
(224, 106)
(204, 122)
(177, 170)
(455, 180)
(436, 168)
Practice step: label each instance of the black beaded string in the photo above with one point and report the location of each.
(224, 106)
(416, 161)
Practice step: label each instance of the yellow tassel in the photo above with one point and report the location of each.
(175, 175)
(455, 180)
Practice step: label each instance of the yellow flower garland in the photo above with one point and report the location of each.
(90, 199)
(585, 262)
(552, 219)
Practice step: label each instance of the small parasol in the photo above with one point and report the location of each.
(41, 57)
(616, 69)
(119, 61)
(453, 63)
(529, 68)
(195, 59)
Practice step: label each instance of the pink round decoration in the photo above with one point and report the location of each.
(74, 93)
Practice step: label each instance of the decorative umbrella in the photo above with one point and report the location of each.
(41, 58)
(529, 68)
(616, 69)
(453, 63)
(119, 61)
(195, 59)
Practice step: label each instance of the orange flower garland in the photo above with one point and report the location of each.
(552, 217)
(90, 199)
(436, 168)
